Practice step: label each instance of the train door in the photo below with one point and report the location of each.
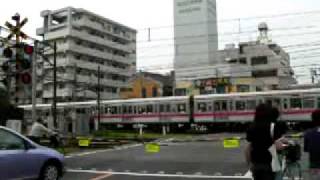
(285, 107)
(181, 109)
(165, 112)
(220, 110)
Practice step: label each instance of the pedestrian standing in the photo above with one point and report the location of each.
(312, 146)
(262, 134)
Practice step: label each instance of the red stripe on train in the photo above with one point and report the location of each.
(143, 115)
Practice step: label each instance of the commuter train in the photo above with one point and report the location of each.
(294, 105)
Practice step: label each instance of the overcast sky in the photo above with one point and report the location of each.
(142, 14)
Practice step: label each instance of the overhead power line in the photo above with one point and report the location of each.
(234, 19)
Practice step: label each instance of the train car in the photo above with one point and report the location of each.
(237, 108)
(294, 105)
(146, 111)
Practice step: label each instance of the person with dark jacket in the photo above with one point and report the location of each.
(260, 139)
(312, 146)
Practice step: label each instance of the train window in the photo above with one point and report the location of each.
(125, 110)
(224, 106)
(161, 108)
(130, 110)
(251, 104)
(220, 106)
(141, 109)
(149, 108)
(168, 108)
(107, 110)
(81, 111)
(202, 107)
(217, 106)
(231, 105)
(295, 103)
(181, 108)
(115, 110)
(308, 102)
(285, 104)
(240, 105)
(173, 109)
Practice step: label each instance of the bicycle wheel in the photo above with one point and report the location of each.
(293, 171)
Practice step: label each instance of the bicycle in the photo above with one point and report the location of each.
(292, 156)
(57, 142)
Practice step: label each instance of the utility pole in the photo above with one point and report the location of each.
(16, 17)
(54, 105)
(34, 81)
(99, 97)
(141, 84)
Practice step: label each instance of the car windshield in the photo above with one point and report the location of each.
(159, 89)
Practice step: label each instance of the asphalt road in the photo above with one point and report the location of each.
(192, 160)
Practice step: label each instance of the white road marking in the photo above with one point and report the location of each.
(103, 176)
(157, 175)
(248, 174)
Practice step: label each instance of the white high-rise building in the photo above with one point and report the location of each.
(195, 33)
(85, 41)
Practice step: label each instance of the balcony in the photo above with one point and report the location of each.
(93, 80)
(60, 62)
(85, 22)
(97, 40)
(61, 33)
(60, 93)
(104, 68)
(60, 48)
(103, 55)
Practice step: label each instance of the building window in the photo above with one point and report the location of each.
(243, 88)
(267, 73)
(243, 60)
(259, 60)
(233, 61)
(144, 92)
(61, 86)
(154, 92)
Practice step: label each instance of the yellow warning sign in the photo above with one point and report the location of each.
(84, 142)
(231, 143)
(152, 148)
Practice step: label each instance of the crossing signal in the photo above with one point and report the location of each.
(5, 67)
(23, 64)
(28, 49)
(7, 52)
(5, 82)
(26, 78)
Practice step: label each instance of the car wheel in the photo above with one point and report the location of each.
(50, 172)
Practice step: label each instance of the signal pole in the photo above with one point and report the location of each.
(99, 98)
(15, 31)
(34, 81)
(54, 105)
